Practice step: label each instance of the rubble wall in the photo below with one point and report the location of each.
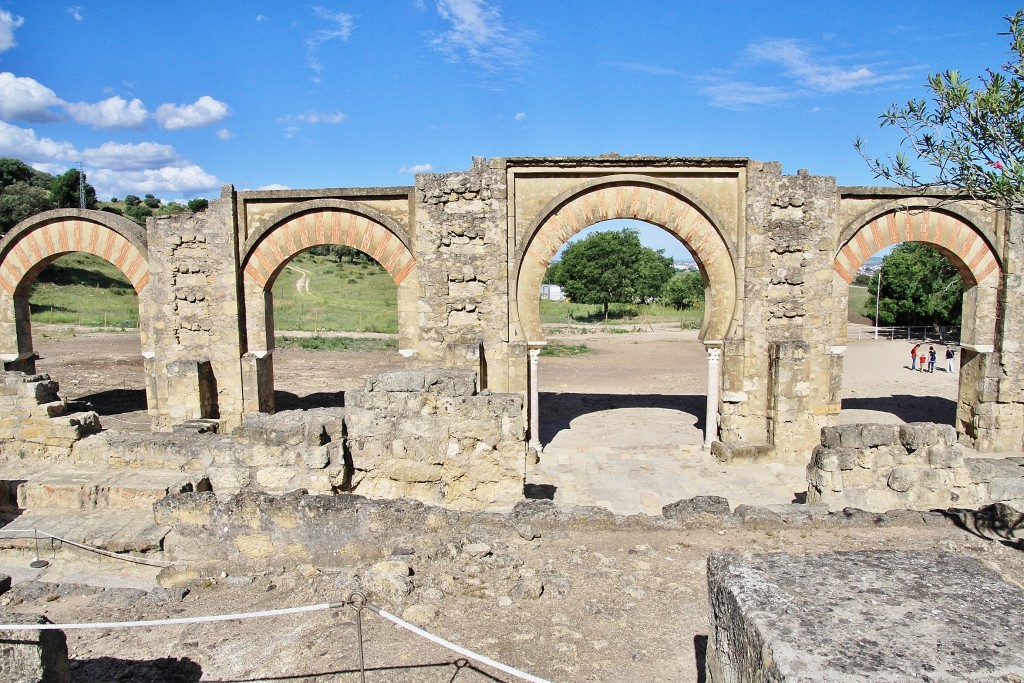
(911, 466)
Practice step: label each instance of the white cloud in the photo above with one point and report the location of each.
(24, 144)
(273, 186)
(741, 96)
(8, 22)
(813, 72)
(521, 116)
(805, 72)
(314, 117)
(131, 157)
(225, 134)
(203, 112)
(113, 112)
(188, 179)
(480, 36)
(112, 168)
(76, 12)
(26, 99)
(650, 69)
(417, 168)
(261, 17)
(339, 27)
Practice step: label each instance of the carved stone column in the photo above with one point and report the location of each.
(714, 382)
(534, 409)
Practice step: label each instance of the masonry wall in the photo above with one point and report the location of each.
(194, 371)
(778, 383)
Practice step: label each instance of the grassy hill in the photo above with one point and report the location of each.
(312, 293)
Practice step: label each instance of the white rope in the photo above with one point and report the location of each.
(171, 622)
(456, 648)
(100, 551)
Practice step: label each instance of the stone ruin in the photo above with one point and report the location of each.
(468, 251)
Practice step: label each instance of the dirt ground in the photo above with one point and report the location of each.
(616, 605)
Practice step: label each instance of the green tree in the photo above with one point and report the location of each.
(132, 200)
(613, 267)
(197, 205)
(684, 290)
(19, 200)
(64, 190)
(919, 286)
(553, 275)
(971, 139)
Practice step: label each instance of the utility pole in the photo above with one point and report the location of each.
(81, 185)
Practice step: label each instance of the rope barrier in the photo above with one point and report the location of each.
(453, 647)
(172, 622)
(99, 551)
(357, 601)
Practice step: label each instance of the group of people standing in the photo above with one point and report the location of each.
(918, 358)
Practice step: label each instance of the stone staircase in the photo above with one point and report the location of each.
(111, 509)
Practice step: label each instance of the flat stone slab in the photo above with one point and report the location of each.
(117, 531)
(847, 617)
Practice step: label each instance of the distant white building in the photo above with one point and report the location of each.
(551, 293)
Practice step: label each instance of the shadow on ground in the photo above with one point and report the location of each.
(457, 667)
(285, 400)
(166, 669)
(114, 401)
(558, 410)
(907, 408)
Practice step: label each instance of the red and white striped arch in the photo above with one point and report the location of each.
(327, 226)
(645, 203)
(959, 241)
(40, 244)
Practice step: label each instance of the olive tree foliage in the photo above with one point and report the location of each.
(684, 290)
(971, 139)
(613, 267)
(919, 287)
(24, 191)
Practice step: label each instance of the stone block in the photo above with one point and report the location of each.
(917, 435)
(33, 656)
(945, 457)
(862, 616)
(901, 479)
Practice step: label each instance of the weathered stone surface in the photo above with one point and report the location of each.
(35, 656)
(862, 616)
(698, 507)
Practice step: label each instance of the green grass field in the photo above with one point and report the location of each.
(618, 314)
(81, 289)
(343, 297)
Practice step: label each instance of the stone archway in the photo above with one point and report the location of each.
(298, 228)
(971, 254)
(33, 244)
(953, 235)
(644, 199)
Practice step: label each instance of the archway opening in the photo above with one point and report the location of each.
(622, 377)
(902, 360)
(85, 332)
(335, 323)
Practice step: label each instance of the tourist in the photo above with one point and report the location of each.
(921, 360)
(931, 359)
(949, 359)
(913, 356)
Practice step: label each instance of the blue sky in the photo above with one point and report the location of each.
(156, 98)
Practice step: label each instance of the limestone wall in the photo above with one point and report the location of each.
(35, 421)
(195, 368)
(910, 466)
(431, 436)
